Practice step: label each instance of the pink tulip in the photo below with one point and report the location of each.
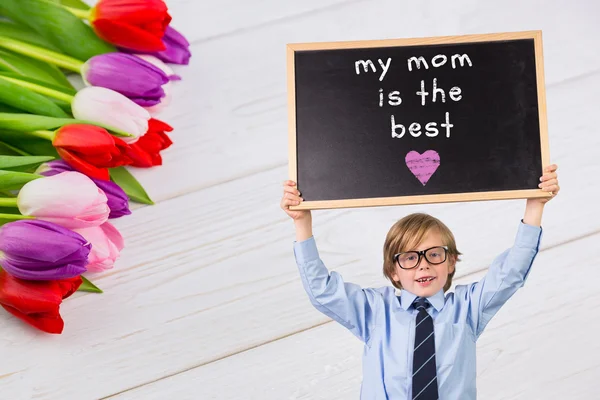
(107, 244)
(69, 199)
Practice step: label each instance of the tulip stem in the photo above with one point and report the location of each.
(15, 216)
(8, 202)
(40, 89)
(48, 135)
(79, 13)
(42, 54)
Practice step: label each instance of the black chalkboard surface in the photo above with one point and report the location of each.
(456, 118)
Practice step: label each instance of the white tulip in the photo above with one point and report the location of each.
(111, 109)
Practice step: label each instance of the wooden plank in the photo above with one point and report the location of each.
(546, 318)
(225, 281)
(180, 296)
(208, 20)
(230, 114)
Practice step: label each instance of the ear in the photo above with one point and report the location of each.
(452, 264)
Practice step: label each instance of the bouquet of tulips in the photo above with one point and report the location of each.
(64, 147)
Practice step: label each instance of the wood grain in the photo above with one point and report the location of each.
(519, 354)
(207, 281)
(230, 114)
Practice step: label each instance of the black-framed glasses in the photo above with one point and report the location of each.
(412, 259)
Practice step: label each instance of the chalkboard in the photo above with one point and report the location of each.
(426, 120)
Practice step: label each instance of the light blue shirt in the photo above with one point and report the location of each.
(386, 322)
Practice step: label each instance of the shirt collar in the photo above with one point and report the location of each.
(407, 298)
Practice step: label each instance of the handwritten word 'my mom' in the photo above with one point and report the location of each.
(436, 62)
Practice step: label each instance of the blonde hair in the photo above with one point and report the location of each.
(407, 233)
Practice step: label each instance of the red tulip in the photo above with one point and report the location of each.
(36, 302)
(133, 24)
(145, 152)
(90, 149)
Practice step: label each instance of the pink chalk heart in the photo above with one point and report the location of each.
(423, 165)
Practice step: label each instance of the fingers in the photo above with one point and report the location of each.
(291, 190)
(548, 183)
(548, 176)
(286, 203)
(552, 188)
(290, 199)
(290, 187)
(551, 168)
(292, 196)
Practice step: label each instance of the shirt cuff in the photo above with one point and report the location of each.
(306, 250)
(528, 235)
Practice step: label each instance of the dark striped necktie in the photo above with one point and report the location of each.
(424, 380)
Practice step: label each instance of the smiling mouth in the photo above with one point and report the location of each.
(428, 279)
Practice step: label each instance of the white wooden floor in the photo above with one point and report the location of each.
(206, 302)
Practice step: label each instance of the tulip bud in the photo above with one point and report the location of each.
(36, 302)
(90, 149)
(118, 201)
(69, 199)
(107, 244)
(41, 250)
(131, 76)
(177, 48)
(165, 101)
(133, 24)
(110, 109)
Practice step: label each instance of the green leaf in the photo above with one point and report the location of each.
(8, 150)
(63, 29)
(75, 4)
(40, 87)
(40, 53)
(9, 162)
(122, 177)
(8, 109)
(30, 123)
(72, 3)
(31, 145)
(22, 98)
(28, 67)
(24, 34)
(59, 88)
(88, 286)
(15, 180)
(66, 107)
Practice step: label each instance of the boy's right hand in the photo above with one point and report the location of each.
(291, 197)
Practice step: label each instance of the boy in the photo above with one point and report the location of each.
(419, 345)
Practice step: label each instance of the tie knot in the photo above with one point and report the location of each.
(421, 302)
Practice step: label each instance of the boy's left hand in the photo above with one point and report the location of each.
(549, 183)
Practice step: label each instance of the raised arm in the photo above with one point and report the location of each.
(510, 269)
(344, 302)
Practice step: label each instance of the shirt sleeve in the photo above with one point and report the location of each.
(506, 275)
(344, 302)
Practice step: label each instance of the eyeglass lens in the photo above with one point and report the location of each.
(436, 255)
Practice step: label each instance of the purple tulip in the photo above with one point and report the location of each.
(118, 201)
(177, 51)
(131, 76)
(42, 250)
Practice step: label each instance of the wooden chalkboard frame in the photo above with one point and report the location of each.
(420, 199)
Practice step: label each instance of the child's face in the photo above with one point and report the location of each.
(409, 278)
